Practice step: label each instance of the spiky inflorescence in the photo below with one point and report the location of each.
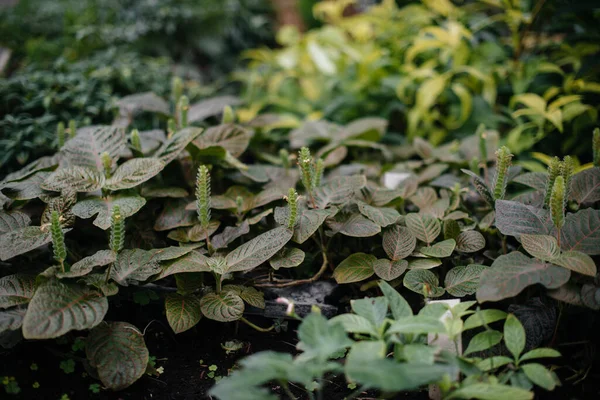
(183, 106)
(228, 115)
(483, 155)
(318, 177)
(176, 88)
(567, 168)
(58, 238)
(553, 173)
(171, 127)
(557, 202)
(60, 134)
(285, 158)
(107, 163)
(596, 147)
(503, 161)
(307, 168)
(203, 196)
(117, 230)
(136, 143)
(239, 204)
(292, 199)
(72, 128)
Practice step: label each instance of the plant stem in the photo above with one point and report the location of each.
(258, 328)
(218, 283)
(355, 393)
(314, 278)
(108, 272)
(286, 389)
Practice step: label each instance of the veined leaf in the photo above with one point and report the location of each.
(11, 320)
(13, 220)
(463, 280)
(229, 234)
(424, 263)
(398, 242)
(57, 308)
(541, 246)
(581, 232)
(288, 257)
(380, 215)
(192, 262)
(440, 250)
(22, 240)
(222, 307)
(233, 138)
(398, 305)
(423, 227)
(183, 312)
(585, 186)
(577, 262)
(511, 273)
(176, 143)
(148, 101)
(134, 172)
(539, 375)
(258, 250)
(424, 282)
(339, 190)
(87, 264)
(514, 219)
(80, 179)
(469, 241)
(389, 270)
(174, 215)
(210, 107)
(354, 225)
(308, 223)
(128, 206)
(134, 265)
(85, 149)
(490, 391)
(118, 352)
(355, 268)
(483, 341)
(514, 335)
(16, 289)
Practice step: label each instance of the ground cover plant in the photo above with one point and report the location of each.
(205, 215)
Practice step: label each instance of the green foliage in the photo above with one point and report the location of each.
(503, 161)
(117, 230)
(557, 202)
(58, 240)
(203, 201)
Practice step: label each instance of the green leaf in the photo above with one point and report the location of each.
(417, 324)
(424, 282)
(398, 305)
(483, 341)
(483, 317)
(183, 312)
(76, 178)
(513, 272)
(577, 261)
(319, 339)
(57, 308)
(16, 289)
(398, 242)
(585, 186)
(542, 247)
(128, 206)
(514, 336)
(373, 309)
(581, 232)
(540, 353)
(229, 234)
(133, 266)
(249, 294)
(357, 267)
(258, 250)
(354, 225)
(494, 362)
(355, 324)
(380, 215)
(163, 191)
(463, 280)
(118, 352)
(514, 219)
(134, 172)
(22, 240)
(389, 270)
(539, 375)
(424, 227)
(233, 138)
(490, 391)
(176, 143)
(424, 263)
(469, 241)
(13, 220)
(192, 262)
(85, 149)
(87, 264)
(210, 107)
(148, 101)
(222, 307)
(441, 249)
(288, 257)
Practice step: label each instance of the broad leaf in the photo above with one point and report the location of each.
(398, 242)
(22, 240)
(417, 324)
(233, 138)
(128, 206)
(539, 375)
(354, 225)
(540, 353)
(469, 241)
(577, 262)
(355, 268)
(389, 270)
(288, 257)
(134, 172)
(11, 320)
(85, 149)
(148, 101)
(483, 317)
(133, 266)
(229, 234)
(483, 341)
(463, 280)
(87, 264)
(581, 232)
(308, 223)
(176, 143)
(424, 282)
(490, 391)
(424, 263)
(174, 215)
(192, 262)
(210, 107)
(319, 339)
(258, 250)
(380, 215)
(374, 309)
(514, 336)
(354, 324)
(398, 305)
(80, 179)
(424, 227)
(16, 289)
(339, 190)
(514, 219)
(183, 312)
(57, 308)
(541, 246)
(13, 220)
(585, 186)
(511, 273)
(118, 352)
(223, 307)
(441, 249)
